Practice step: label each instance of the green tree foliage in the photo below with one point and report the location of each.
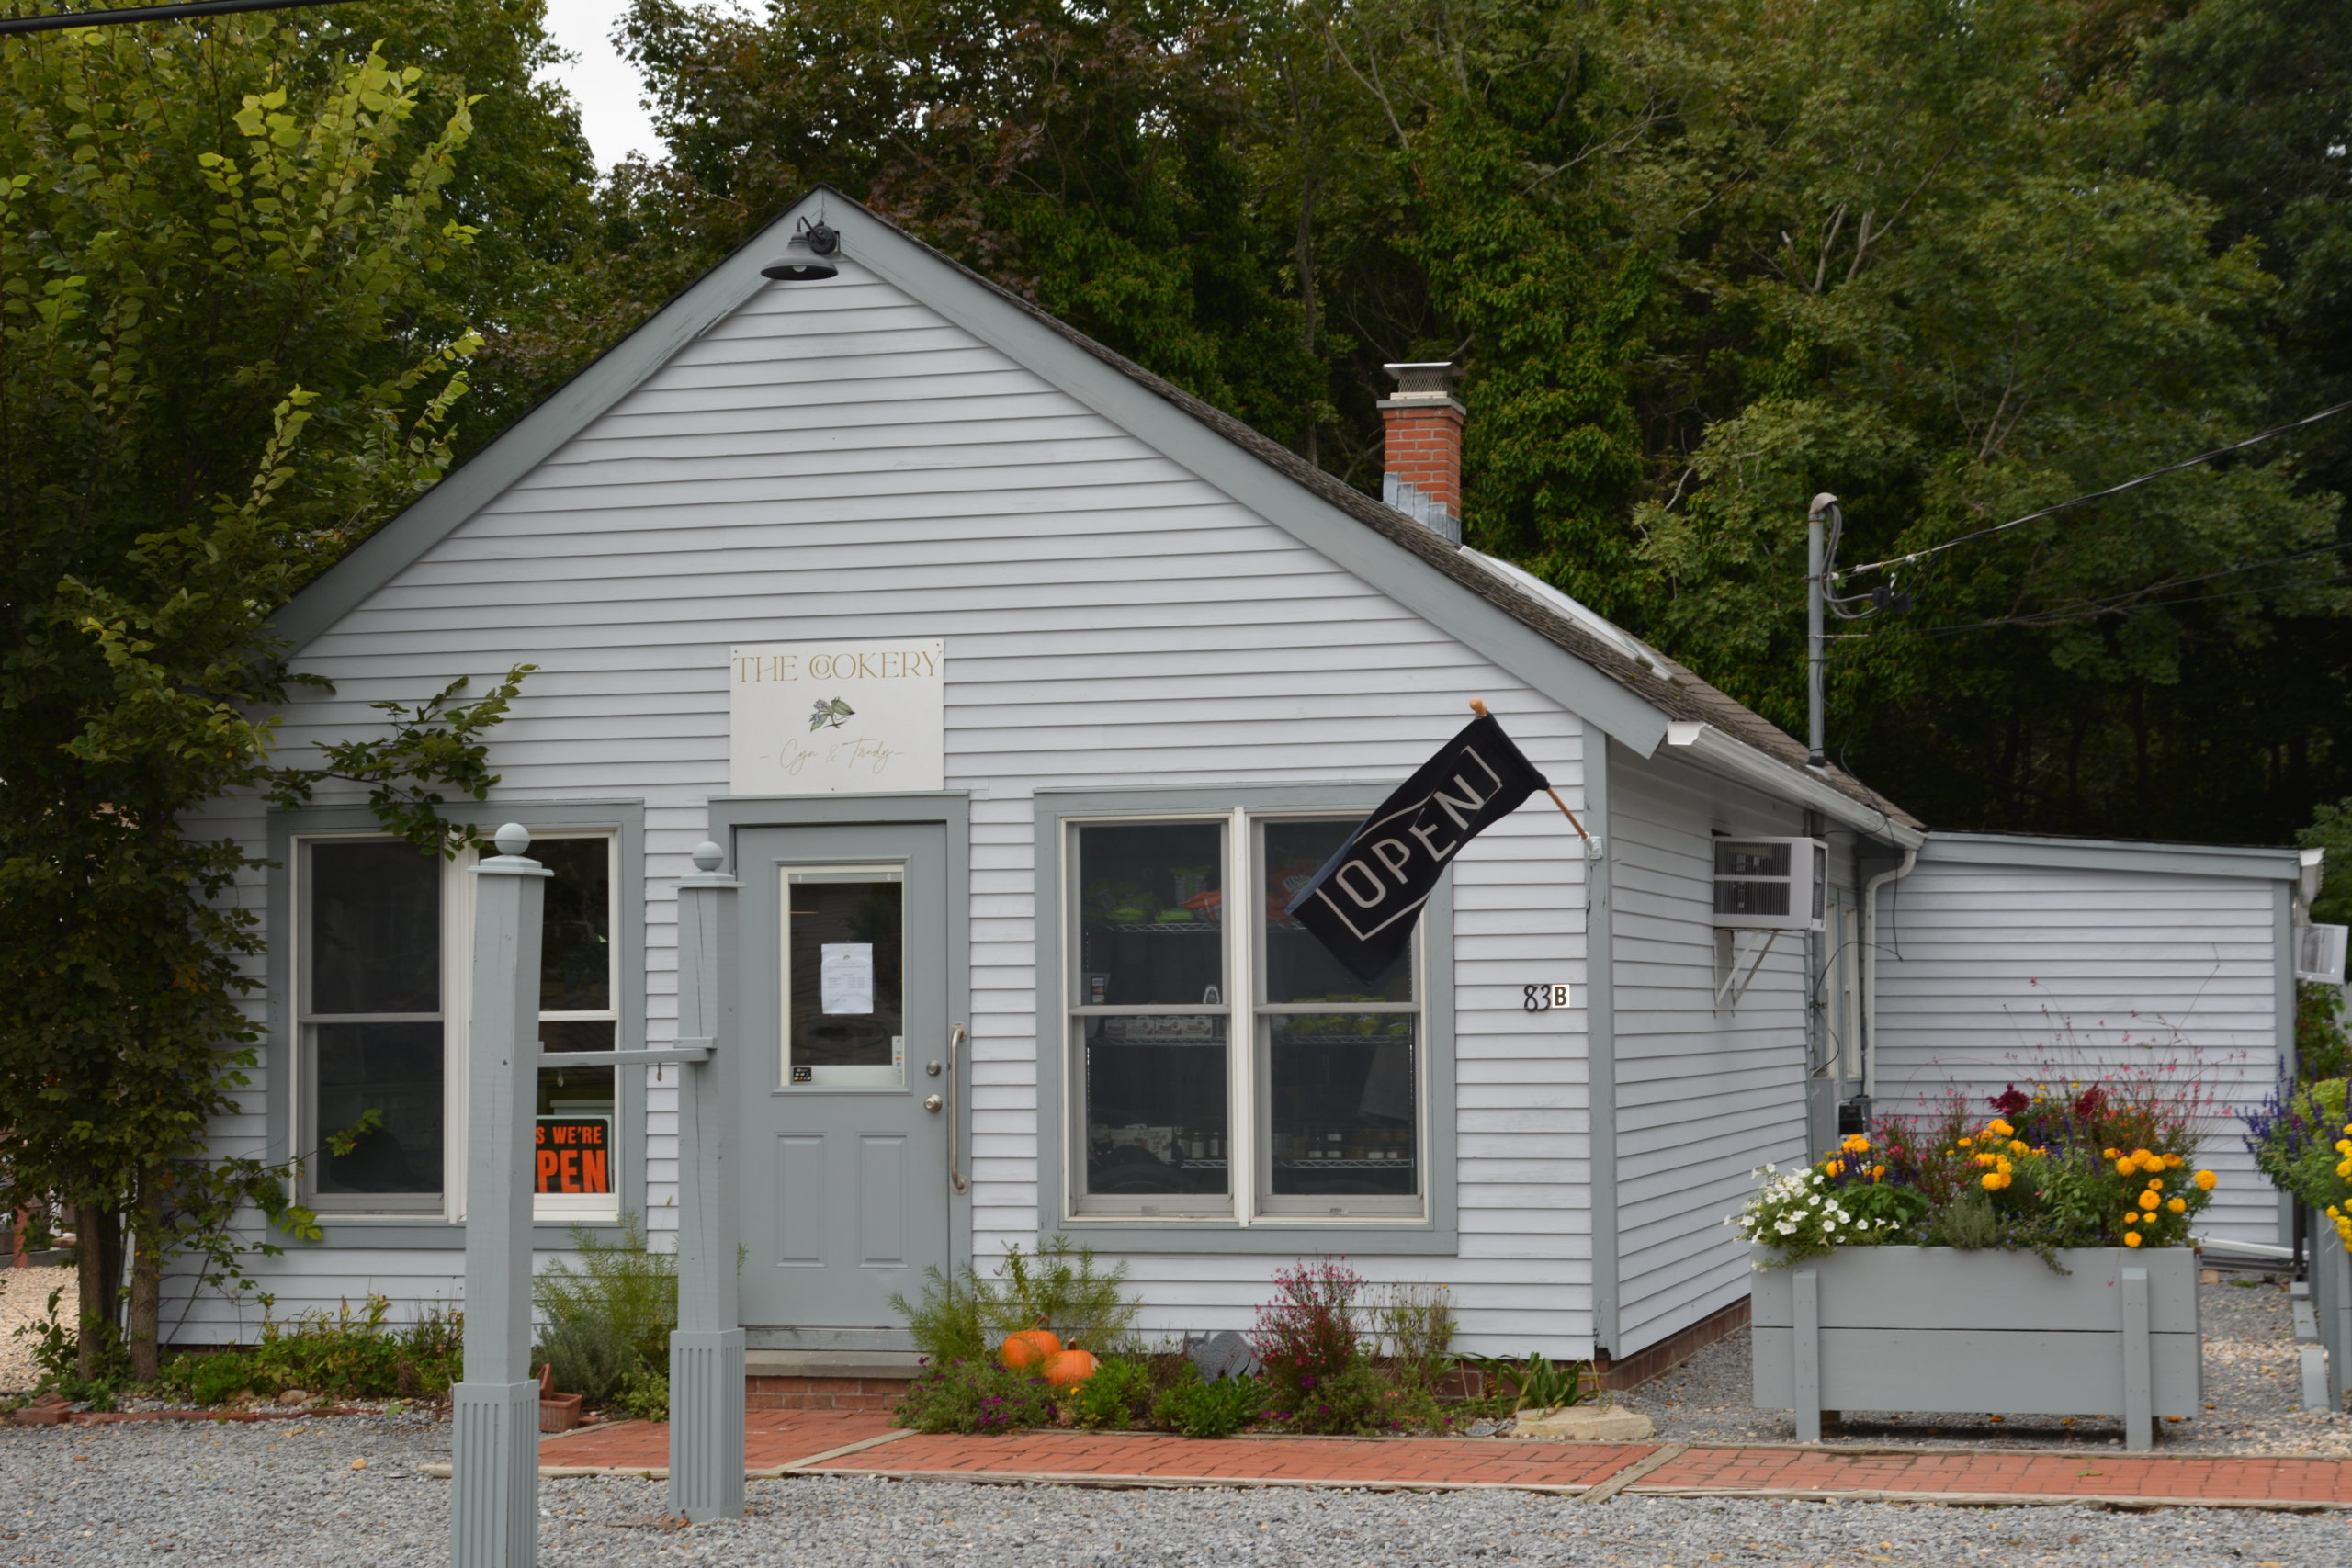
(1950, 261)
(219, 364)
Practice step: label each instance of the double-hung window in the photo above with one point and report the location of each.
(382, 954)
(1223, 1065)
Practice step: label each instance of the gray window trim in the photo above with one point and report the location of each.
(1437, 1234)
(953, 808)
(622, 817)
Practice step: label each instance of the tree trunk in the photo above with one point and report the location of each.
(147, 1281)
(98, 1255)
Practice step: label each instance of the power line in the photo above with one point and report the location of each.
(2132, 483)
(2051, 618)
(179, 11)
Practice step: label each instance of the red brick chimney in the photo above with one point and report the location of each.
(1423, 427)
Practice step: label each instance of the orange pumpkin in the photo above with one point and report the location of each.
(1069, 1368)
(1029, 1348)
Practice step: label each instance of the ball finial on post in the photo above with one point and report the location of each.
(513, 839)
(707, 856)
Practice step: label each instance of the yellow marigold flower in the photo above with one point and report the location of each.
(2126, 1166)
(2178, 1205)
(1999, 1128)
(2155, 1184)
(2130, 1238)
(2173, 1162)
(2112, 1153)
(1966, 1143)
(2343, 1145)
(1877, 1171)
(2205, 1180)
(2017, 1145)
(2149, 1200)
(1991, 1181)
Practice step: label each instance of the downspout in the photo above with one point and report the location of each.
(1870, 974)
(1600, 1044)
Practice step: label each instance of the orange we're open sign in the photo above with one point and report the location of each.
(574, 1153)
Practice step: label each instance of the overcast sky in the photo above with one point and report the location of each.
(605, 86)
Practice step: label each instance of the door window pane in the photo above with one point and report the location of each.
(1150, 909)
(1299, 968)
(1344, 1090)
(375, 929)
(1156, 1116)
(394, 1069)
(844, 978)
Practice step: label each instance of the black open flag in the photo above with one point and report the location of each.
(1363, 903)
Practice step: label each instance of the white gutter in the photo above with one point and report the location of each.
(1713, 749)
(1870, 967)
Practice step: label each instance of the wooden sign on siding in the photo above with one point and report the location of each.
(837, 718)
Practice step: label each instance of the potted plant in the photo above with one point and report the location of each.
(2037, 1262)
(2301, 1139)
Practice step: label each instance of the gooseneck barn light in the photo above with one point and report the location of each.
(809, 257)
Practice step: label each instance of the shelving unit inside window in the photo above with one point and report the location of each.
(1319, 1114)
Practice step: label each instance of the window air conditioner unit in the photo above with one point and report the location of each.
(2319, 954)
(1770, 885)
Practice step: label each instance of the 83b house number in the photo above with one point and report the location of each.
(1543, 998)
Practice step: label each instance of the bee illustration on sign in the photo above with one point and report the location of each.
(829, 711)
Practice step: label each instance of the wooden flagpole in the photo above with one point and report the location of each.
(1479, 707)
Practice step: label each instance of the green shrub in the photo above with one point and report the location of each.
(975, 1397)
(644, 1395)
(207, 1380)
(590, 1357)
(1538, 1383)
(1118, 1394)
(966, 1315)
(1412, 1324)
(623, 1286)
(1217, 1409)
(356, 1356)
(608, 1319)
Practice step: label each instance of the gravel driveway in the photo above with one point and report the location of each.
(2252, 1382)
(279, 1495)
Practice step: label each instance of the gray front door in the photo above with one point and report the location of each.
(845, 1096)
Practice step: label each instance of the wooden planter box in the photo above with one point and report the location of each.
(1932, 1328)
(2331, 1278)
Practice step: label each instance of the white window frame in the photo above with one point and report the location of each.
(1248, 1200)
(456, 952)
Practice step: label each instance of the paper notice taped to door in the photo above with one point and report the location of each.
(846, 983)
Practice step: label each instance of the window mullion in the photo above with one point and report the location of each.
(1243, 1152)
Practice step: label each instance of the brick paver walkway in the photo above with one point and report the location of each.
(807, 1440)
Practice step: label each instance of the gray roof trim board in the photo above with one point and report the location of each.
(1630, 700)
(2111, 854)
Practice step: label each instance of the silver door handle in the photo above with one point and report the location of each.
(931, 1103)
(954, 1131)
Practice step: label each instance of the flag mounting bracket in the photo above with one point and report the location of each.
(1591, 844)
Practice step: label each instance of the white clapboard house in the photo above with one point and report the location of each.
(1020, 688)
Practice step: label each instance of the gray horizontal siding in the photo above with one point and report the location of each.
(1990, 976)
(838, 463)
(1704, 1095)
